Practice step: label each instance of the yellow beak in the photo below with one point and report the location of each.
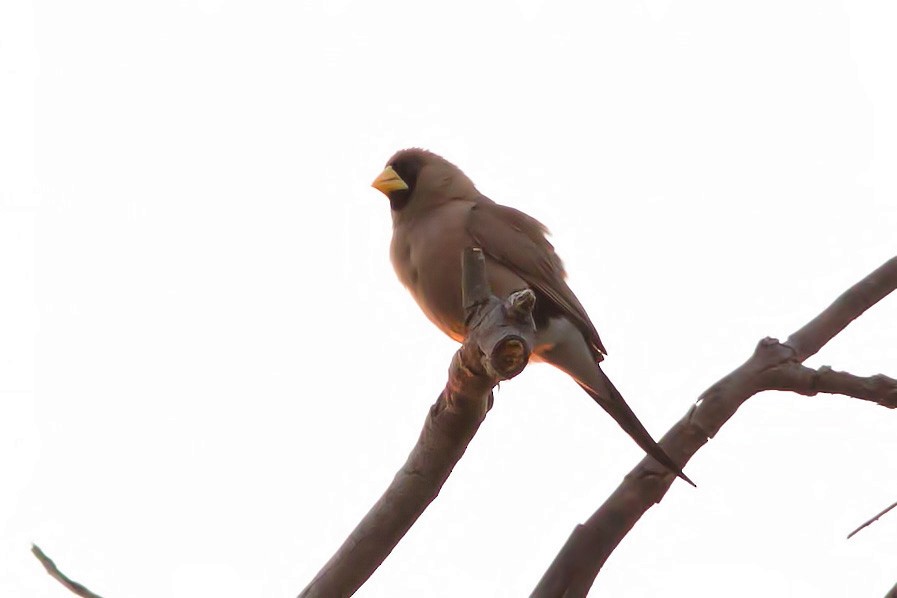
(388, 181)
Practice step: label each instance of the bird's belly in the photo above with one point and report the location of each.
(439, 296)
(436, 287)
(427, 260)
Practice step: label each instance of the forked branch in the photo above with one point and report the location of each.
(773, 366)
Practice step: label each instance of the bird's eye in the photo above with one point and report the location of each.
(407, 169)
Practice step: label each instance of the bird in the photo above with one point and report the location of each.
(437, 212)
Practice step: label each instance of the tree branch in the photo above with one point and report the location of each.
(773, 366)
(871, 521)
(73, 586)
(497, 347)
(845, 309)
(806, 381)
(892, 593)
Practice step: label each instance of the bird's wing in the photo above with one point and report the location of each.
(518, 242)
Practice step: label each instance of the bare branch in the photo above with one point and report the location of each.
(73, 586)
(871, 521)
(892, 593)
(773, 365)
(806, 381)
(497, 347)
(849, 306)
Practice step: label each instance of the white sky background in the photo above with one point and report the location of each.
(209, 372)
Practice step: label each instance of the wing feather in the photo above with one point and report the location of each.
(519, 242)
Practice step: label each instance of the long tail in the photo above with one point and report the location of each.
(613, 402)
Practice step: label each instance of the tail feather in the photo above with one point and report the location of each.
(613, 402)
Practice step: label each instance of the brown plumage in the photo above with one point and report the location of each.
(437, 212)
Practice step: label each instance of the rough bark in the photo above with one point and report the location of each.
(773, 366)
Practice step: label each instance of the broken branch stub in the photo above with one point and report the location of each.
(502, 329)
(486, 357)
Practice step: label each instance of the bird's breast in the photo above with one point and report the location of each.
(427, 254)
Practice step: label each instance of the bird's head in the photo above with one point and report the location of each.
(418, 173)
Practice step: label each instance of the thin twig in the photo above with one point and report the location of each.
(73, 586)
(871, 521)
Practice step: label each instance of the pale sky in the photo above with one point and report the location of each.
(209, 371)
